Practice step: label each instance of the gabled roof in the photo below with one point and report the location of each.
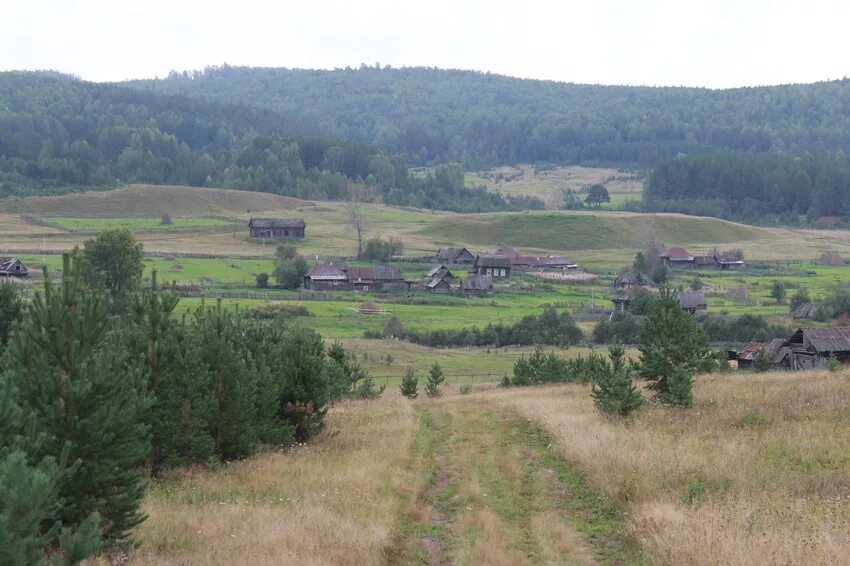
(729, 258)
(692, 299)
(490, 260)
(377, 273)
(677, 254)
(327, 272)
(277, 223)
(507, 251)
(8, 264)
(436, 270)
(824, 340)
(477, 282)
(806, 310)
(632, 277)
(435, 282)
(451, 255)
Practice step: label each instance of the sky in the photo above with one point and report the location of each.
(716, 44)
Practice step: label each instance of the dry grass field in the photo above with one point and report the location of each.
(758, 472)
(598, 237)
(547, 185)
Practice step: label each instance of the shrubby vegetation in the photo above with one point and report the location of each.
(90, 401)
(548, 328)
(753, 188)
(378, 249)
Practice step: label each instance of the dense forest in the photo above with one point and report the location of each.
(59, 133)
(480, 119)
(753, 188)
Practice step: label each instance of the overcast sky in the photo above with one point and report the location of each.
(657, 42)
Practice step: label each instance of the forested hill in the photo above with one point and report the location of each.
(478, 119)
(58, 133)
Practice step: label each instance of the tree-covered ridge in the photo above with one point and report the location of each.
(60, 133)
(481, 119)
(754, 188)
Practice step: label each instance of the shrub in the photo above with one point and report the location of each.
(263, 280)
(798, 299)
(435, 379)
(762, 361)
(410, 384)
(383, 250)
(832, 363)
(465, 389)
(613, 391)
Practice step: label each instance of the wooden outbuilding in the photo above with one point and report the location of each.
(831, 258)
(277, 227)
(477, 285)
(693, 301)
(12, 267)
(812, 347)
(454, 256)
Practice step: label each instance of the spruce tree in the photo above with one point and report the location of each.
(410, 384)
(435, 379)
(84, 401)
(670, 340)
(613, 391)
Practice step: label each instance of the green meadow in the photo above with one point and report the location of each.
(79, 224)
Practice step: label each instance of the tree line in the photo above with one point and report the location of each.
(95, 395)
(753, 188)
(431, 115)
(61, 134)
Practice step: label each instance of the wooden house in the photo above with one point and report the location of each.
(378, 278)
(811, 347)
(277, 227)
(497, 266)
(327, 277)
(477, 285)
(440, 271)
(678, 258)
(438, 285)
(454, 256)
(631, 278)
(693, 301)
(12, 267)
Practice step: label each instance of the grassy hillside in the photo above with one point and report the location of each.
(600, 237)
(579, 231)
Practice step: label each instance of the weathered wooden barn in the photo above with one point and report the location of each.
(440, 271)
(678, 257)
(805, 311)
(693, 301)
(12, 267)
(497, 266)
(477, 285)
(831, 258)
(811, 347)
(327, 277)
(438, 285)
(454, 256)
(277, 227)
(378, 278)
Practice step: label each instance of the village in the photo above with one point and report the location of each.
(471, 274)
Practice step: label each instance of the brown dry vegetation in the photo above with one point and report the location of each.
(334, 501)
(757, 472)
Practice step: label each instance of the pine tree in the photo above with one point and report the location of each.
(410, 384)
(435, 379)
(762, 361)
(613, 391)
(670, 339)
(679, 391)
(84, 400)
(11, 309)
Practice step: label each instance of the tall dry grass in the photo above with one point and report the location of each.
(334, 501)
(757, 472)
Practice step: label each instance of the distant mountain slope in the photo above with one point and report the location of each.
(432, 115)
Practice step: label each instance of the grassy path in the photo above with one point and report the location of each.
(498, 494)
